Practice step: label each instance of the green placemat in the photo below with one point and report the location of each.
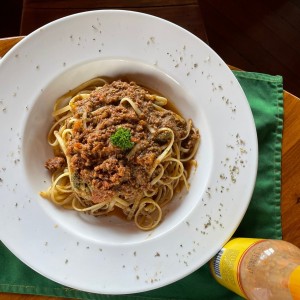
(265, 95)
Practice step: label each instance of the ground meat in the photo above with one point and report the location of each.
(55, 163)
(106, 169)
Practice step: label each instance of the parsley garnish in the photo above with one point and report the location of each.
(122, 138)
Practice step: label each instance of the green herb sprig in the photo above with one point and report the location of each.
(122, 138)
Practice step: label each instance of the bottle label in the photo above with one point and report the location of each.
(294, 284)
(225, 265)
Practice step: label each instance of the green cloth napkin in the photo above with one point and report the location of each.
(265, 95)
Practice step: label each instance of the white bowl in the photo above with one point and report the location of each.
(108, 255)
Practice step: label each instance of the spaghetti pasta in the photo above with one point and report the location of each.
(117, 146)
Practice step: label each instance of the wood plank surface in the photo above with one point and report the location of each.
(259, 36)
(185, 13)
(10, 18)
(7, 43)
(290, 193)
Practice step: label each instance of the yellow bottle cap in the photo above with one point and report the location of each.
(294, 284)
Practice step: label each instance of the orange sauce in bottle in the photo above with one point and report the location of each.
(259, 269)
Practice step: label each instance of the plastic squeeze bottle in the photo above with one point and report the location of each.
(259, 269)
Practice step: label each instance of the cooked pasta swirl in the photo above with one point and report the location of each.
(117, 146)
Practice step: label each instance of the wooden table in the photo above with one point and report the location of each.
(290, 194)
